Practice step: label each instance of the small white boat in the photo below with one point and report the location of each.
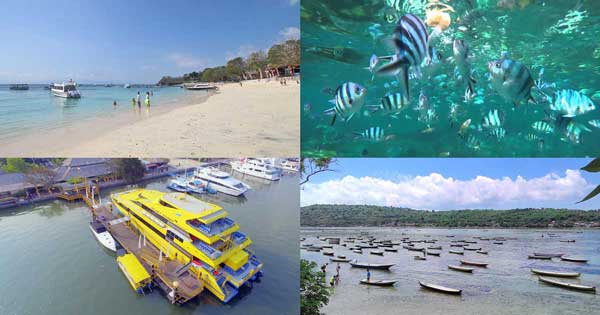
(439, 288)
(288, 165)
(261, 168)
(65, 90)
(221, 181)
(201, 87)
(103, 236)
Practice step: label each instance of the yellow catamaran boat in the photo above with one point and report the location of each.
(195, 233)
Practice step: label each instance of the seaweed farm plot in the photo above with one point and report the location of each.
(459, 271)
(450, 78)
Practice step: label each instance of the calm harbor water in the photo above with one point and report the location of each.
(339, 38)
(51, 263)
(506, 287)
(36, 110)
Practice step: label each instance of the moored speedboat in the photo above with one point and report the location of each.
(179, 185)
(221, 181)
(65, 90)
(201, 87)
(103, 236)
(261, 168)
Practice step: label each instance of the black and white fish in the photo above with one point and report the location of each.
(499, 133)
(574, 132)
(349, 99)
(463, 69)
(571, 103)
(390, 104)
(373, 134)
(494, 119)
(412, 47)
(531, 137)
(543, 127)
(511, 79)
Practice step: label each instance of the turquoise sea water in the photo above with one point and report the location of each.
(339, 37)
(36, 110)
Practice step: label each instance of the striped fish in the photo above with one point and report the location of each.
(472, 142)
(460, 51)
(373, 134)
(390, 104)
(511, 79)
(542, 126)
(494, 119)
(412, 42)
(349, 99)
(499, 133)
(571, 103)
(574, 130)
(531, 137)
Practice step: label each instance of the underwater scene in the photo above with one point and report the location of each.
(450, 78)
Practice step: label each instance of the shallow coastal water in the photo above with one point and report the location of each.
(51, 263)
(560, 37)
(37, 111)
(506, 287)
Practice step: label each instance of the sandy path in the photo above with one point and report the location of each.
(258, 119)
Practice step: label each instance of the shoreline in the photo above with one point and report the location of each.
(263, 121)
(449, 228)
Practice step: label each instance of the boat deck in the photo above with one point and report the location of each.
(163, 272)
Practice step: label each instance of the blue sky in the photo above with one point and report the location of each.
(456, 183)
(135, 40)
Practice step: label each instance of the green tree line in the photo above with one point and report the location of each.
(368, 215)
(279, 55)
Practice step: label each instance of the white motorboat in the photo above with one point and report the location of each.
(103, 236)
(262, 168)
(288, 165)
(65, 90)
(201, 87)
(221, 181)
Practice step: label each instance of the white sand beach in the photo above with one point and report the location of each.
(256, 119)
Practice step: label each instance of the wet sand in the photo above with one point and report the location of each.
(258, 119)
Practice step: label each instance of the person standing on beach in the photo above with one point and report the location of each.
(147, 99)
(138, 100)
(115, 104)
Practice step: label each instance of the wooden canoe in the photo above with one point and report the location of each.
(358, 251)
(341, 256)
(574, 259)
(483, 252)
(420, 258)
(435, 247)
(390, 249)
(567, 241)
(339, 259)
(381, 283)
(439, 288)
(539, 257)
(556, 273)
(376, 252)
(549, 254)
(572, 286)
(472, 248)
(414, 249)
(432, 253)
(473, 263)
(371, 266)
(459, 268)
(456, 252)
(328, 253)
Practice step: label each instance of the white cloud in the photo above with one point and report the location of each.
(436, 192)
(186, 61)
(290, 33)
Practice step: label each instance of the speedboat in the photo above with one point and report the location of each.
(103, 236)
(179, 185)
(289, 165)
(221, 181)
(261, 168)
(19, 87)
(65, 90)
(201, 87)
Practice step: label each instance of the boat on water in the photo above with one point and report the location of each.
(572, 286)
(261, 168)
(65, 90)
(19, 87)
(551, 273)
(420, 258)
(483, 252)
(357, 264)
(195, 233)
(574, 259)
(567, 241)
(290, 165)
(539, 257)
(201, 87)
(432, 253)
(472, 248)
(388, 249)
(337, 259)
(103, 236)
(221, 181)
(178, 185)
(456, 252)
(435, 247)
(328, 253)
(473, 263)
(358, 251)
(459, 268)
(439, 288)
(550, 254)
(376, 252)
(381, 283)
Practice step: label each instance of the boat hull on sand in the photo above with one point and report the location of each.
(439, 288)
(555, 273)
(570, 286)
(381, 283)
